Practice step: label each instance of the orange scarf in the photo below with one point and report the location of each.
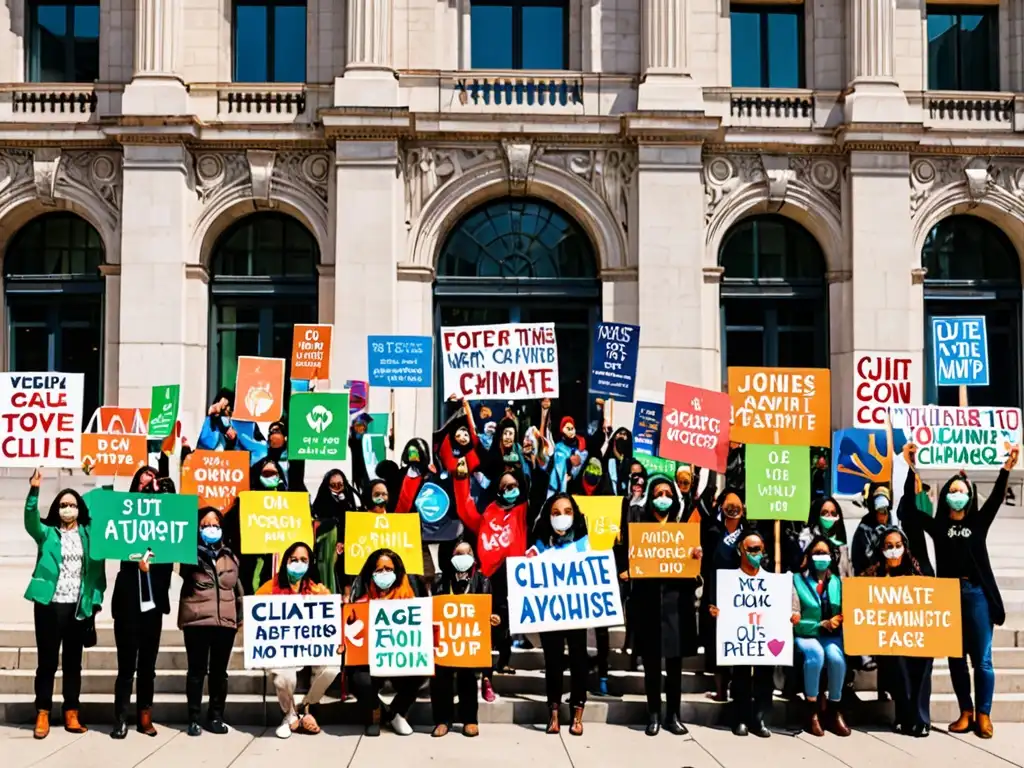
(401, 591)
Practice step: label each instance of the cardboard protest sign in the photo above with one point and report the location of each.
(366, 532)
(778, 482)
(646, 427)
(616, 351)
(41, 420)
(163, 410)
(355, 622)
(259, 389)
(216, 477)
(754, 627)
(958, 438)
(695, 426)
(125, 525)
(318, 426)
(273, 521)
(514, 361)
(960, 348)
(902, 616)
(400, 361)
(113, 455)
(663, 551)
(862, 456)
(563, 591)
(604, 515)
(656, 465)
(401, 637)
(462, 631)
(781, 406)
(311, 352)
(283, 631)
(879, 382)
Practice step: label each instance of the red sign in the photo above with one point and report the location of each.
(355, 621)
(879, 382)
(695, 426)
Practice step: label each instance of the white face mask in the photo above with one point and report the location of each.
(462, 563)
(561, 523)
(893, 554)
(68, 514)
(881, 502)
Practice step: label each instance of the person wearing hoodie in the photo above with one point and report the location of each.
(569, 457)
(505, 452)
(334, 499)
(868, 536)
(618, 455)
(959, 531)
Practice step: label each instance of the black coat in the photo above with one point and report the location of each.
(446, 584)
(124, 604)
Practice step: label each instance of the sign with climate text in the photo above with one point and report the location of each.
(518, 361)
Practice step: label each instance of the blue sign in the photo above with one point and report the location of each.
(960, 346)
(646, 425)
(862, 456)
(399, 361)
(432, 503)
(616, 348)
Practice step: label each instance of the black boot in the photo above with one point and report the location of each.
(675, 726)
(194, 729)
(653, 724)
(120, 730)
(215, 725)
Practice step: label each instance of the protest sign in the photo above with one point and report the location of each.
(401, 637)
(318, 426)
(113, 455)
(778, 482)
(216, 477)
(41, 420)
(375, 439)
(259, 389)
(462, 631)
(604, 515)
(695, 426)
(125, 525)
(902, 616)
(272, 521)
(311, 352)
(366, 532)
(285, 631)
(438, 519)
(355, 620)
(616, 350)
(663, 551)
(163, 410)
(115, 420)
(879, 382)
(514, 361)
(754, 627)
(958, 438)
(646, 425)
(563, 591)
(399, 361)
(960, 347)
(656, 465)
(862, 456)
(780, 406)
(358, 396)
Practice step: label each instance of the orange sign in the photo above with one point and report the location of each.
(462, 631)
(781, 406)
(122, 421)
(311, 352)
(216, 477)
(902, 616)
(113, 455)
(259, 389)
(355, 620)
(663, 551)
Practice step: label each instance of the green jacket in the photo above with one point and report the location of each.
(807, 603)
(48, 561)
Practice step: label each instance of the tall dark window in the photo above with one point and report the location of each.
(63, 41)
(767, 46)
(269, 38)
(519, 34)
(963, 48)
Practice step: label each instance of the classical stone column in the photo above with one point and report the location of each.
(369, 78)
(876, 96)
(157, 87)
(666, 83)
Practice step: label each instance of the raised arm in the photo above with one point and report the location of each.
(908, 511)
(998, 496)
(33, 525)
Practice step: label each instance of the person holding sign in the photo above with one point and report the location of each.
(334, 498)
(67, 590)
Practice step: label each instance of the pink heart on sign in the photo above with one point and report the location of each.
(776, 646)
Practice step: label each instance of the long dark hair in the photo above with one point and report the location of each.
(542, 530)
(52, 518)
(368, 499)
(311, 576)
(324, 505)
(805, 564)
(908, 565)
(674, 512)
(366, 572)
(814, 517)
(137, 478)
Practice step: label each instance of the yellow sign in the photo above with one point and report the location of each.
(272, 522)
(603, 513)
(366, 532)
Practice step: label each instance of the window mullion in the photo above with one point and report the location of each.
(70, 75)
(271, 21)
(517, 35)
(765, 49)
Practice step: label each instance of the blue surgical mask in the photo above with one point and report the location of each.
(270, 482)
(384, 579)
(296, 571)
(755, 558)
(211, 534)
(462, 563)
(379, 501)
(510, 495)
(957, 501)
(821, 562)
(662, 503)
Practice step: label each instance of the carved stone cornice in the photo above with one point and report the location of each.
(415, 273)
(197, 272)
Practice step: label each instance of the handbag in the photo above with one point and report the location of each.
(89, 639)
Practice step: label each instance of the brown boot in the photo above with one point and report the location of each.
(145, 724)
(553, 725)
(985, 727)
(836, 722)
(813, 725)
(964, 723)
(71, 724)
(576, 729)
(42, 729)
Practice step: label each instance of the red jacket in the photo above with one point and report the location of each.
(501, 532)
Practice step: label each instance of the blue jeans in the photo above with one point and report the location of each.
(977, 624)
(817, 652)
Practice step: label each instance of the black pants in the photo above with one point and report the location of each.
(909, 681)
(673, 685)
(442, 695)
(138, 643)
(58, 637)
(603, 649)
(554, 665)
(366, 689)
(208, 650)
(501, 638)
(752, 689)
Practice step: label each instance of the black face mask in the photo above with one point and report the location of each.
(621, 444)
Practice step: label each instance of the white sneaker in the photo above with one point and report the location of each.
(284, 730)
(401, 726)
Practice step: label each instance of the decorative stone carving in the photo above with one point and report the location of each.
(427, 169)
(99, 173)
(261, 172)
(15, 170)
(519, 158)
(44, 167)
(982, 178)
(218, 172)
(610, 172)
(309, 171)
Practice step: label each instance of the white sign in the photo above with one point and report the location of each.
(288, 631)
(880, 381)
(512, 361)
(754, 627)
(402, 637)
(555, 591)
(959, 438)
(41, 420)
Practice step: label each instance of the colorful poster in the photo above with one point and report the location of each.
(958, 438)
(355, 620)
(778, 482)
(259, 389)
(663, 551)
(125, 526)
(604, 515)
(113, 455)
(902, 616)
(462, 631)
(318, 426)
(438, 519)
(120, 421)
(616, 350)
(558, 591)
(514, 361)
(960, 347)
(271, 521)
(163, 410)
(311, 352)
(880, 381)
(366, 532)
(656, 465)
(862, 456)
(401, 638)
(695, 426)
(781, 406)
(41, 420)
(216, 477)
(358, 396)
(400, 361)
(375, 441)
(285, 631)
(754, 627)
(646, 424)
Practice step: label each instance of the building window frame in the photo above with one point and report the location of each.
(959, 11)
(763, 11)
(517, 7)
(33, 52)
(271, 38)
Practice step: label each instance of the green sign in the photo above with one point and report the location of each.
(318, 426)
(377, 434)
(778, 482)
(163, 410)
(655, 465)
(126, 525)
